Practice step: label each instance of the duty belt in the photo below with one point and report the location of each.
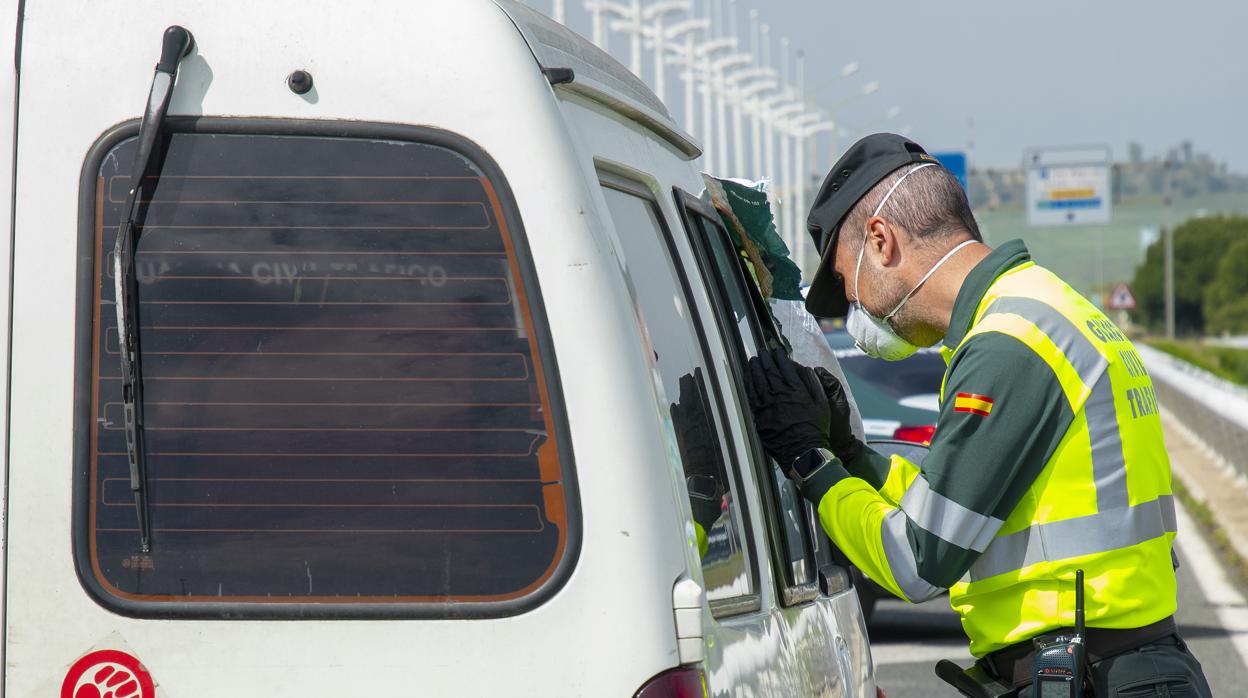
(1015, 664)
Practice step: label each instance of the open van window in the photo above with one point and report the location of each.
(683, 375)
(737, 307)
(349, 394)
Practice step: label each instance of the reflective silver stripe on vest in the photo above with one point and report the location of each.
(946, 519)
(901, 560)
(1109, 469)
(1084, 535)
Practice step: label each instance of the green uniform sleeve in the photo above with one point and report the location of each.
(870, 466)
(921, 529)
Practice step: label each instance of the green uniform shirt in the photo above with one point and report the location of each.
(1048, 459)
(980, 468)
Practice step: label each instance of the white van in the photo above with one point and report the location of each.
(441, 373)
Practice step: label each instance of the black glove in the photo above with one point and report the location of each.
(841, 437)
(790, 408)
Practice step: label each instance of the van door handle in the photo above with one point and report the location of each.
(833, 579)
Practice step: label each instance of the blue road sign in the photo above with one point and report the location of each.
(955, 163)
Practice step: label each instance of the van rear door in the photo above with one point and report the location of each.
(358, 465)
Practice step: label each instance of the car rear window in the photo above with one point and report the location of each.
(347, 394)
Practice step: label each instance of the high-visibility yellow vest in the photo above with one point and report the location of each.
(1102, 503)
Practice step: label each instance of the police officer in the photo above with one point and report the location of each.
(1048, 453)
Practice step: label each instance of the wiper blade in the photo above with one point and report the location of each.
(176, 44)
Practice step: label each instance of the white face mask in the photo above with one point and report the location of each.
(875, 336)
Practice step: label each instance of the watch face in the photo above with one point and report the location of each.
(809, 462)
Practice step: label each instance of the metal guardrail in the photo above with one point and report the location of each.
(1215, 410)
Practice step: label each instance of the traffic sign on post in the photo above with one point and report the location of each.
(1068, 186)
(1121, 298)
(955, 163)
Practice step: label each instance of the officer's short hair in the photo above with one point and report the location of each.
(930, 206)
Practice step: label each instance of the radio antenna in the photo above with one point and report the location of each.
(1079, 623)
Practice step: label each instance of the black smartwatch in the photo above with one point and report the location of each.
(806, 465)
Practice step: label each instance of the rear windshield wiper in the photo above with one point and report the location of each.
(176, 44)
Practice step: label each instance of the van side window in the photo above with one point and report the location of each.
(349, 395)
(687, 390)
(742, 313)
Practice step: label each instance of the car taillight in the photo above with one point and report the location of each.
(879, 693)
(919, 435)
(685, 682)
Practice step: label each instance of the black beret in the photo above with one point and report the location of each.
(863, 166)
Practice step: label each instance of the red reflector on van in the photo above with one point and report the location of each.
(685, 682)
(879, 693)
(917, 434)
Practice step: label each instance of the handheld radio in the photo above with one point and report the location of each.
(1059, 667)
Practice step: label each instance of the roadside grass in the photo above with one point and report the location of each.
(1208, 523)
(1224, 362)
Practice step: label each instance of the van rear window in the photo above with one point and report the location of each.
(346, 392)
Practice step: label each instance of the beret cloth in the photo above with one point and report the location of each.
(863, 166)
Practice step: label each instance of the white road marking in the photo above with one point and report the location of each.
(1227, 602)
(927, 653)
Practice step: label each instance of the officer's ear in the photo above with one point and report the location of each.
(882, 241)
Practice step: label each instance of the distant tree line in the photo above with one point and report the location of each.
(1210, 278)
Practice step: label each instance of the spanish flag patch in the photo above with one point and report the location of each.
(975, 404)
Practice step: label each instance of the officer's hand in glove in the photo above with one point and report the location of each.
(790, 408)
(841, 437)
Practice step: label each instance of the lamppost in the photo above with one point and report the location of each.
(557, 11)
(742, 86)
(598, 12)
(795, 129)
(750, 96)
(805, 133)
(720, 86)
(654, 14)
(667, 51)
(778, 122)
(703, 54)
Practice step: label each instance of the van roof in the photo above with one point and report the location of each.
(598, 76)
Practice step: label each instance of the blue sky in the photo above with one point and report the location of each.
(1009, 75)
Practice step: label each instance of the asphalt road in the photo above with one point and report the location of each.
(906, 640)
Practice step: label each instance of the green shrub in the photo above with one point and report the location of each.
(1226, 298)
(1210, 277)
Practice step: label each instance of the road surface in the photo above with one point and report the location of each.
(907, 640)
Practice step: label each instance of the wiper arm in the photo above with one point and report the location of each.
(176, 44)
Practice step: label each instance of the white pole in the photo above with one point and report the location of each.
(708, 127)
(756, 125)
(690, 86)
(769, 151)
(738, 136)
(599, 31)
(558, 11)
(799, 196)
(634, 44)
(708, 87)
(768, 163)
(721, 125)
(799, 166)
(800, 204)
(660, 59)
(783, 185)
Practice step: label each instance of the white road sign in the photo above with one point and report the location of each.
(1068, 186)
